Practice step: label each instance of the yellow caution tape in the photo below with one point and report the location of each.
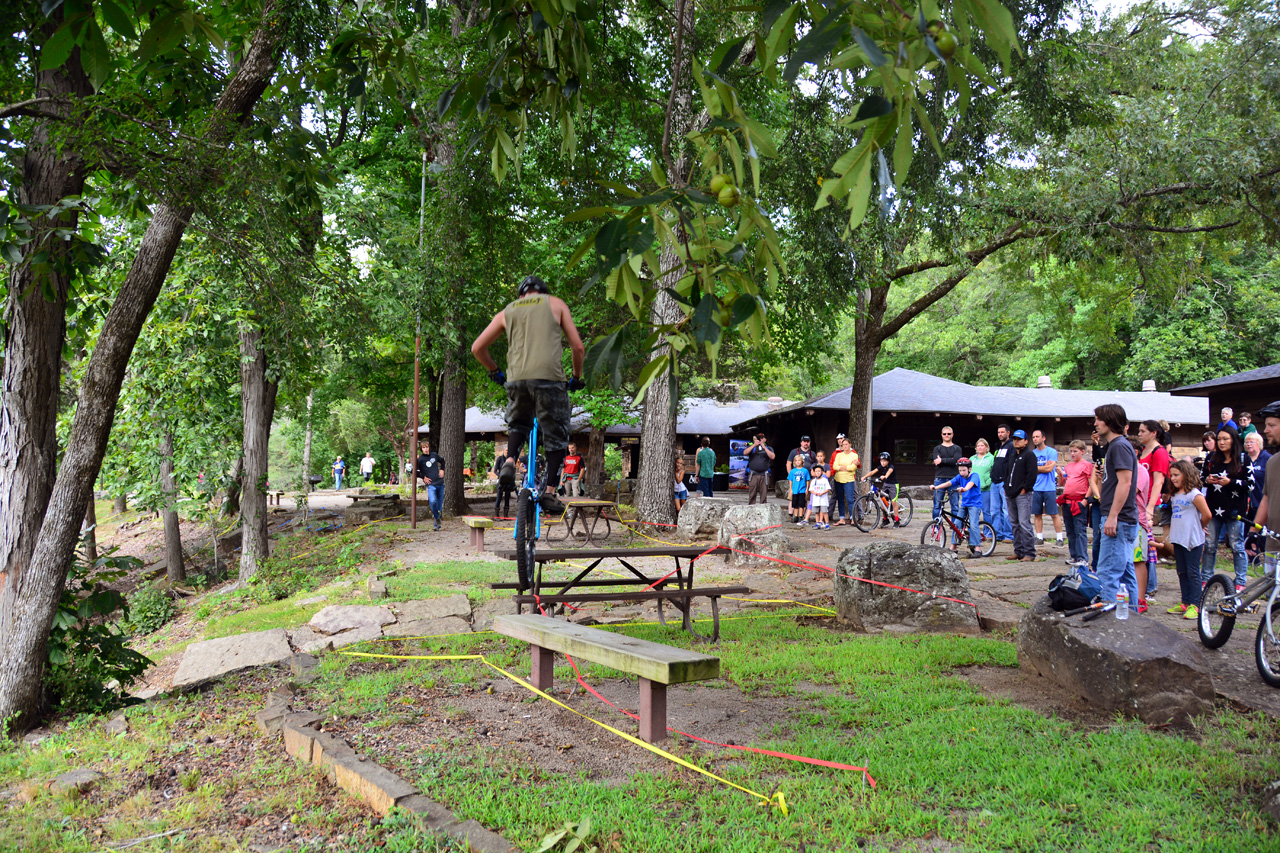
(776, 800)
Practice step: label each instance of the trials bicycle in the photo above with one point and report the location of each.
(528, 512)
(935, 532)
(874, 508)
(1220, 604)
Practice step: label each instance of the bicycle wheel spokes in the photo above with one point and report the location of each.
(866, 513)
(905, 510)
(526, 543)
(986, 539)
(1267, 647)
(934, 533)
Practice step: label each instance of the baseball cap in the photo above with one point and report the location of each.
(840, 436)
(804, 438)
(1019, 433)
(759, 435)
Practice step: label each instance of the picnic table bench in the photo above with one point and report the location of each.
(654, 664)
(274, 496)
(655, 588)
(393, 497)
(583, 517)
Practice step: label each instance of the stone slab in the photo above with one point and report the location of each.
(80, 780)
(355, 635)
(212, 659)
(337, 618)
(428, 627)
(374, 784)
(482, 620)
(434, 608)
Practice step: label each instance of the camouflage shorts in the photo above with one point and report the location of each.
(546, 399)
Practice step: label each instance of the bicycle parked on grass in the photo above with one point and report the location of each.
(876, 508)
(1220, 604)
(935, 533)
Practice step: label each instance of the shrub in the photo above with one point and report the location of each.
(150, 607)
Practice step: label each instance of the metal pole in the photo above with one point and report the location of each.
(413, 499)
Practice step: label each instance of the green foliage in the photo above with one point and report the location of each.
(277, 579)
(150, 607)
(569, 838)
(87, 652)
(612, 462)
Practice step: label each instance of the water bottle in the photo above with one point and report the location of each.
(1122, 603)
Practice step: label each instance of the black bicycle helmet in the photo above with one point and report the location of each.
(884, 454)
(1271, 410)
(532, 284)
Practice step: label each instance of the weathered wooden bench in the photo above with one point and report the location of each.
(478, 524)
(273, 497)
(656, 665)
(389, 498)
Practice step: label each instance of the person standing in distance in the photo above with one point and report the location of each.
(1119, 502)
(366, 467)
(573, 472)
(999, 473)
(706, 461)
(537, 324)
(945, 457)
(1019, 483)
(339, 468)
(1044, 499)
(1269, 506)
(430, 470)
(759, 458)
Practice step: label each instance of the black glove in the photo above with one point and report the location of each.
(577, 384)
(498, 376)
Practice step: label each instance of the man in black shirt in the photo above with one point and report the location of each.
(805, 450)
(1118, 491)
(430, 470)
(759, 458)
(945, 457)
(999, 471)
(1019, 483)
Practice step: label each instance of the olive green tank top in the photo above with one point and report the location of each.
(535, 348)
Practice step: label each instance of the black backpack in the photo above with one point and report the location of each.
(1074, 590)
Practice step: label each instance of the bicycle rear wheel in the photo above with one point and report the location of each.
(526, 539)
(986, 539)
(905, 510)
(1217, 611)
(934, 533)
(866, 513)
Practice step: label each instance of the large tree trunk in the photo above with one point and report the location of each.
(306, 450)
(29, 594)
(35, 327)
(867, 339)
(452, 431)
(231, 499)
(258, 401)
(121, 505)
(593, 463)
(175, 569)
(654, 489)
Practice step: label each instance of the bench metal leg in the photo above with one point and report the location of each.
(543, 667)
(653, 711)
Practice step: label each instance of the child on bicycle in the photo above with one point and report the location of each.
(969, 485)
(888, 485)
(799, 478)
(820, 489)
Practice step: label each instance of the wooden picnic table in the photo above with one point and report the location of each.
(583, 517)
(546, 596)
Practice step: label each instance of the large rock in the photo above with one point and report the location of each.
(701, 516)
(934, 571)
(428, 627)
(337, 618)
(1139, 667)
(214, 658)
(756, 536)
(370, 511)
(434, 608)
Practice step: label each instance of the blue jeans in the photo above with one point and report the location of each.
(704, 486)
(844, 493)
(998, 514)
(1235, 541)
(435, 499)
(1115, 562)
(1095, 521)
(1077, 530)
(1189, 581)
(974, 515)
(337, 482)
(952, 495)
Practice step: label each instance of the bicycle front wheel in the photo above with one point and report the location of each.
(1217, 611)
(526, 538)
(1267, 648)
(934, 533)
(986, 539)
(866, 513)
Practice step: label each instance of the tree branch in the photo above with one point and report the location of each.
(1185, 229)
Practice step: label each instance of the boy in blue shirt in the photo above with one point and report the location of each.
(799, 478)
(969, 485)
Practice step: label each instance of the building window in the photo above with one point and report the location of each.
(904, 451)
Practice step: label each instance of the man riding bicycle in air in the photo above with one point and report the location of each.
(536, 324)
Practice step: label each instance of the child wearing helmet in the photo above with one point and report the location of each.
(969, 485)
(888, 479)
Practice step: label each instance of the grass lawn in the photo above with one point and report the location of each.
(953, 765)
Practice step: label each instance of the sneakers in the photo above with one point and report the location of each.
(1142, 607)
(826, 527)
(799, 522)
(551, 504)
(817, 526)
(507, 475)
(1178, 609)
(1239, 588)
(1193, 612)
(1039, 540)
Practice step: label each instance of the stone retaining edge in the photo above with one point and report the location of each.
(362, 778)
